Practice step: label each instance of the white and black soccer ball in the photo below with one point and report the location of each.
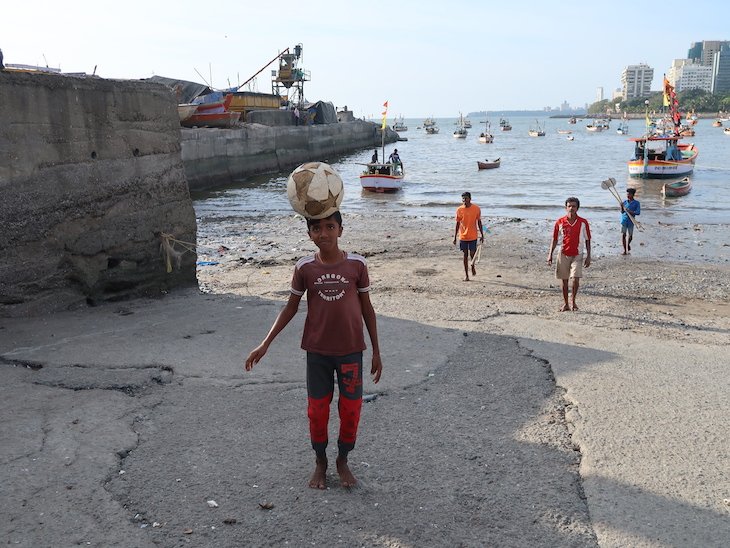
(315, 190)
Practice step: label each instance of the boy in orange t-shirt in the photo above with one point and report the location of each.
(468, 219)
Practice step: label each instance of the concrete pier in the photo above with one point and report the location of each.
(215, 157)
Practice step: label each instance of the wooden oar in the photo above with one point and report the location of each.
(610, 185)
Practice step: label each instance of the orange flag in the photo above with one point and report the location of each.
(385, 114)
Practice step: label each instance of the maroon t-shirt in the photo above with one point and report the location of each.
(334, 315)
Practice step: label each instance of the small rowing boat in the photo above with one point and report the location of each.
(677, 188)
(488, 164)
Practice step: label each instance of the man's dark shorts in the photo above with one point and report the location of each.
(468, 245)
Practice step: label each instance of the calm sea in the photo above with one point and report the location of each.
(535, 177)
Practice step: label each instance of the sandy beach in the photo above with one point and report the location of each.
(499, 421)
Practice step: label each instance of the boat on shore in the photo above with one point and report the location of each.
(186, 110)
(677, 188)
(214, 114)
(489, 164)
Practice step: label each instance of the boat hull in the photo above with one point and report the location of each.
(487, 165)
(665, 169)
(381, 183)
(677, 189)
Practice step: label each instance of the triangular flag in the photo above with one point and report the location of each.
(385, 104)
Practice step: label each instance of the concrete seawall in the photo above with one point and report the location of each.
(214, 157)
(90, 177)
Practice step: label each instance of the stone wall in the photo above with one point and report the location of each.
(215, 157)
(90, 177)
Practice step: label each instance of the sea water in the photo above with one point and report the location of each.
(536, 175)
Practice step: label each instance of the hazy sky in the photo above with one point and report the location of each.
(425, 57)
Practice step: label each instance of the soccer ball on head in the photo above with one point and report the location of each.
(315, 190)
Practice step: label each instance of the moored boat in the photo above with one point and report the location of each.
(432, 130)
(662, 158)
(504, 124)
(489, 165)
(677, 188)
(461, 131)
(726, 131)
(486, 136)
(399, 125)
(537, 130)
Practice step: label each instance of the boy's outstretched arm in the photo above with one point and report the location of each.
(368, 314)
(284, 317)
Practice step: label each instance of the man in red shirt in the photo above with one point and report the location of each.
(468, 219)
(576, 237)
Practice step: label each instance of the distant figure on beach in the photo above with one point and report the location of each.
(338, 300)
(374, 159)
(296, 116)
(576, 236)
(627, 225)
(468, 221)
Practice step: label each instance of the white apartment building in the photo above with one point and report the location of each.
(636, 81)
(685, 74)
(599, 94)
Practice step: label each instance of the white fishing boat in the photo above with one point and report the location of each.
(399, 126)
(537, 130)
(461, 131)
(432, 130)
(486, 135)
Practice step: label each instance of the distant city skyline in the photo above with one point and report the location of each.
(423, 57)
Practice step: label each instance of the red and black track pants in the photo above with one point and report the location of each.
(321, 371)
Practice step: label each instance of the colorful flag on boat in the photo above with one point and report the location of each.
(385, 115)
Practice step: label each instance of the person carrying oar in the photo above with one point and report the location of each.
(630, 208)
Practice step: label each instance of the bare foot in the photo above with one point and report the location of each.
(473, 270)
(346, 477)
(564, 308)
(575, 307)
(319, 477)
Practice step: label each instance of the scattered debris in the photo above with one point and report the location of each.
(266, 505)
(230, 521)
(212, 504)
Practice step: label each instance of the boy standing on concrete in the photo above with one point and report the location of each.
(338, 300)
(576, 236)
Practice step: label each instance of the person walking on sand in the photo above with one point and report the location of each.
(576, 235)
(338, 300)
(468, 220)
(627, 225)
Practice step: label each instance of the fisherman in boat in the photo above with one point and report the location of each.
(374, 159)
(394, 159)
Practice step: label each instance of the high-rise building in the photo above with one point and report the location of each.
(636, 81)
(721, 70)
(695, 52)
(686, 74)
(710, 48)
(599, 94)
